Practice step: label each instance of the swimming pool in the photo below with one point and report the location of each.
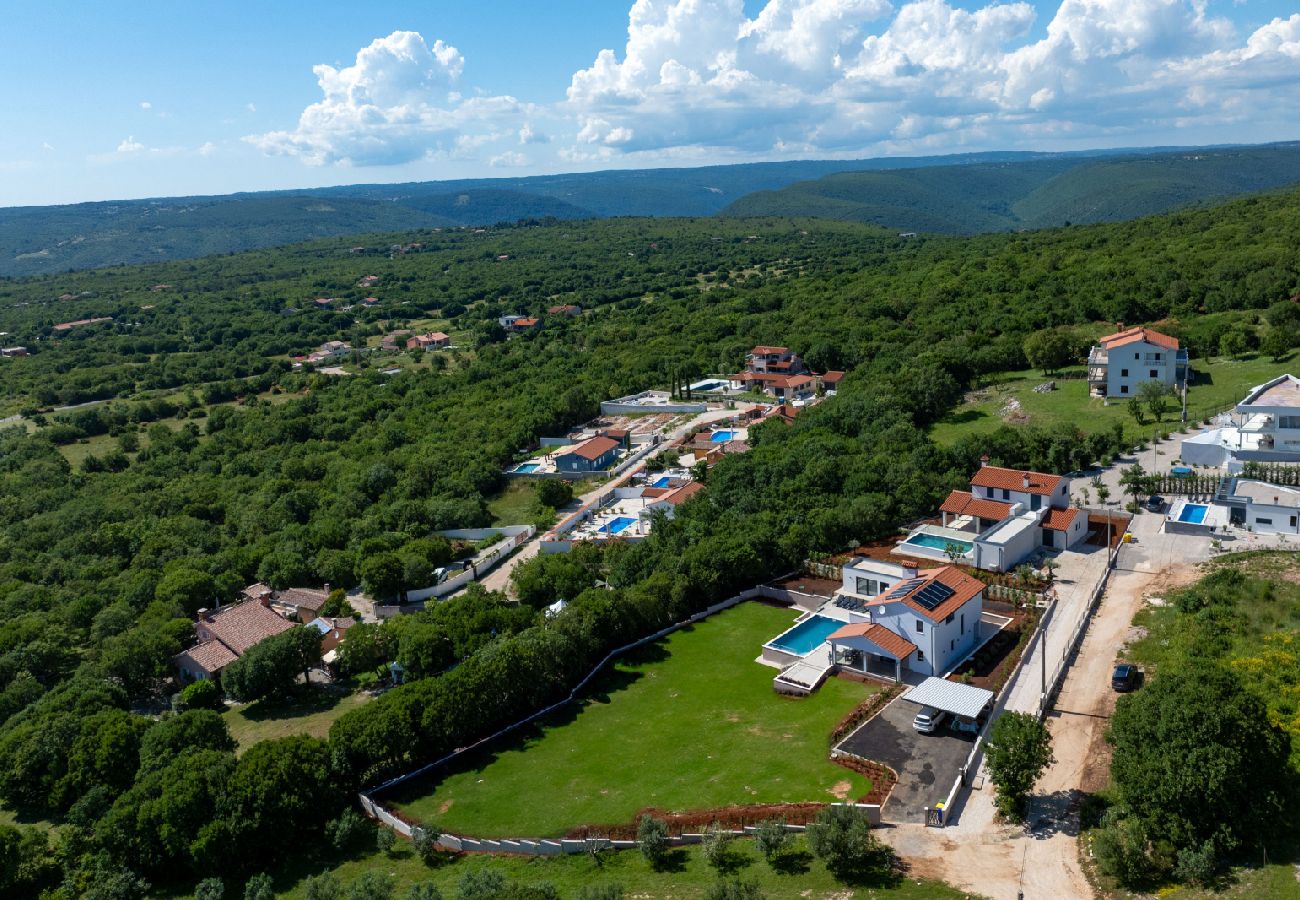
(662, 481)
(1180, 471)
(527, 468)
(614, 526)
(1193, 513)
(720, 437)
(805, 637)
(937, 542)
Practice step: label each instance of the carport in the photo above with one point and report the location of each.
(962, 700)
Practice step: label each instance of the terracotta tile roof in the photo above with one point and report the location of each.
(242, 625)
(764, 350)
(1060, 519)
(1014, 480)
(683, 493)
(652, 493)
(793, 381)
(439, 336)
(882, 637)
(307, 598)
(526, 323)
(832, 377)
(1132, 335)
(594, 448)
(963, 503)
(210, 656)
(615, 433)
(963, 586)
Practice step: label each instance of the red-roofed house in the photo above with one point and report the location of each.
(568, 309)
(924, 621)
(776, 371)
(1120, 363)
(831, 380)
(434, 340)
(226, 634)
(593, 455)
(525, 325)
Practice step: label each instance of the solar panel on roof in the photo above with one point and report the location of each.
(904, 589)
(933, 594)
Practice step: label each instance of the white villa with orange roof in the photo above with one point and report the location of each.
(1005, 517)
(1122, 361)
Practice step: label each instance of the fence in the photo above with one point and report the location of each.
(482, 563)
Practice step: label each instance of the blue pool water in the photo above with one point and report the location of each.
(722, 436)
(1193, 513)
(1180, 471)
(937, 542)
(807, 636)
(662, 481)
(526, 468)
(616, 525)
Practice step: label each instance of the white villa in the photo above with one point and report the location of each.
(924, 621)
(1262, 507)
(1006, 516)
(1265, 428)
(1122, 361)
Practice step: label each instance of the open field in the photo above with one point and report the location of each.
(312, 714)
(690, 723)
(516, 504)
(1219, 382)
(686, 876)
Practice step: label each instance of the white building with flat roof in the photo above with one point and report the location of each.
(1262, 507)
(1265, 427)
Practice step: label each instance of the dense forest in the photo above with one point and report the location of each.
(1059, 190)
(294, 477)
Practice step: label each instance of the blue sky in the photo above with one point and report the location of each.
(142, 98)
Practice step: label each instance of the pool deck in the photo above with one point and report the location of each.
(1216, 519)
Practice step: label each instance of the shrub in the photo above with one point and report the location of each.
(424, 890)
(601, 892)
(652, 837)
(370, 886)
(735, 889)
(259, 887)
(1121, 849)
(322, 887)
(1018, 750)
(384, 840)
(201, 695)
(555, 493)
(715, 847)
(425, 841)
(1197, 865)
(211, 889)
(347, 830)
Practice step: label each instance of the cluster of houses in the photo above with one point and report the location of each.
(780, 373)
(225, 634)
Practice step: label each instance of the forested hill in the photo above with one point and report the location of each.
(214, 464)
(1044, 193)
(45, 239)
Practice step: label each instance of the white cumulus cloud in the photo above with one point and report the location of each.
(393, 105)
(145, 104)
(130, 145)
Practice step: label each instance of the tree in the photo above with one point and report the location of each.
(1048, 349)
(555, 492)
(652, 838)
(424, 890)
(425, 840)
(259, 887)
(196, 729)
(1277, 343)
(1234, 343)
(210, 889)
(384, 840)
(842, 839)
(1155, 396)
(186, 588)
(202, 694)
(382, 575)
(370, 885)
(1019, 748)
(1233, 793)
(1135, 410)
(716, 846)
(771, 838)
(1134, 480)
(272, 666)
(322, 887)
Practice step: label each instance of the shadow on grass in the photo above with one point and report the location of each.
(793, 862)
(306, 700)
(673, 861)
(964, 417)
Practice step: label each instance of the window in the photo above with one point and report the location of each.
(963, 623)
(948, 621)
(952, 645)
(1156, 356)
(1155, 374)
(1288, 422)
(1293, 521)
(1260, 520)
(868, 587)
(1123, 388)
(920, 627)
(1006, 494)
(1123, 373)
(920, 656)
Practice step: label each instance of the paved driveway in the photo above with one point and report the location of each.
(926, 764)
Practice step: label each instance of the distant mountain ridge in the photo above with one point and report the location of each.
(1031, 194)
(989, 191)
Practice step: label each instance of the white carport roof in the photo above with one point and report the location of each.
(949, 696)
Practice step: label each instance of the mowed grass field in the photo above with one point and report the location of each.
(691, 723)
(1219, 382)
(310, 713)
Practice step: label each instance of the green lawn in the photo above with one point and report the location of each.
(516, 505)
(1219, 382)
(687, 876)
(311, 714)
(692, 723)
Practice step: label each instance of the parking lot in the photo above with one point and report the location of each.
(926, 763)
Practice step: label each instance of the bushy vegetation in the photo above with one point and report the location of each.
(341, 480)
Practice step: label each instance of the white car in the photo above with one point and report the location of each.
(928, 719)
